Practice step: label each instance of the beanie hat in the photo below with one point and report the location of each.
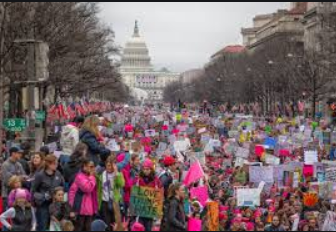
(20, 193)
(137, 227)
(98, 225)
(148, 164)
(169, 161)
(120, 157)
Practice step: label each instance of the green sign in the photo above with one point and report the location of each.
(40, 116)
(15, 124)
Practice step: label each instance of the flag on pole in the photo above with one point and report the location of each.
(194, 174)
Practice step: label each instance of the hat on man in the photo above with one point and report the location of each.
(15, 150)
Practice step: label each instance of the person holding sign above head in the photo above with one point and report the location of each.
(147, 178)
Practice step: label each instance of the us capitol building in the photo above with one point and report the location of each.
(138, 73)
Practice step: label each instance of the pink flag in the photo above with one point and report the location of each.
(194, 224)
(201, 194)
(194, 174)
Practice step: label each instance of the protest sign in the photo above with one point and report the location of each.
(201, 194)
(239, 162)
(52, 147)
(194, 224)
(215, 143)
(150, 133)
(310, 157)
(329, 162)
(162, 146)
(112, 145)
(258, 174)
(330, 174)
(248, 197)
(272, 160)
(147, 202)
(235, 189)
(213, 216)
(159, 118)
(181, 145)
(242, 152)
(202, 130)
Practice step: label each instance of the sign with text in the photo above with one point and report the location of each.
(146, 202)
(15, 124)
(248, 197)
(258, 174)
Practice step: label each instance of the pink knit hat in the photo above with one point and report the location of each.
(20, 193)
(120, 158)
(148, 164)
(249, 226)
(137, 227)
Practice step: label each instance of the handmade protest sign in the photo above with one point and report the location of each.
(213, 216)
(248, 197)
(258, 174)
(147, 202)
(242, 152)
(113, 146)
(194, 174)
(201, 194)
(330, 174)
(310, 157)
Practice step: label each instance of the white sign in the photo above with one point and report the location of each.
(330, 174)
(310, 157)
(248, 197)
(242, 152)
(181, 146)
(113, 146)
(202, 130)
(272, 160)
(150, 133)
(259, 174)
(159, 118)
(215, 143)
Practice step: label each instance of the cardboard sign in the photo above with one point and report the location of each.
(330, 174)
(242, 152)
(259, 174)
(248, 197)
(310, 157)
(146, 202)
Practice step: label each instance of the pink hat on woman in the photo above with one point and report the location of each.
(148, 164)
(20, 193)
(137, 227)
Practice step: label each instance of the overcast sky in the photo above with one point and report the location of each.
(181, 35)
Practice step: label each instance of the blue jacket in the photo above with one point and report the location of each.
(96, 150)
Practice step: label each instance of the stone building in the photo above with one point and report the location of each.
(138, 72)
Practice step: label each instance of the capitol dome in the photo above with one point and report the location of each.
(135, 54)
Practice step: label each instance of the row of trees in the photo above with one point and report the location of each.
(80, 48)
(279, 73)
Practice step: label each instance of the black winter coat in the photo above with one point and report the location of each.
(97, 152)
(176, 220)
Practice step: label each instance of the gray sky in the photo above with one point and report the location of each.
(182, 35)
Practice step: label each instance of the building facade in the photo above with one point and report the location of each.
(138, 72)
(283, 23)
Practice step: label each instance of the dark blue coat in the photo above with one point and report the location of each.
(97, 152)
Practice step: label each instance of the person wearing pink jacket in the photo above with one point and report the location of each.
(83, 196)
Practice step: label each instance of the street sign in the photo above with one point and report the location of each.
(40, 116)
(15, 124)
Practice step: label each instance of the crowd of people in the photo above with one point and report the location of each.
(147, 169)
